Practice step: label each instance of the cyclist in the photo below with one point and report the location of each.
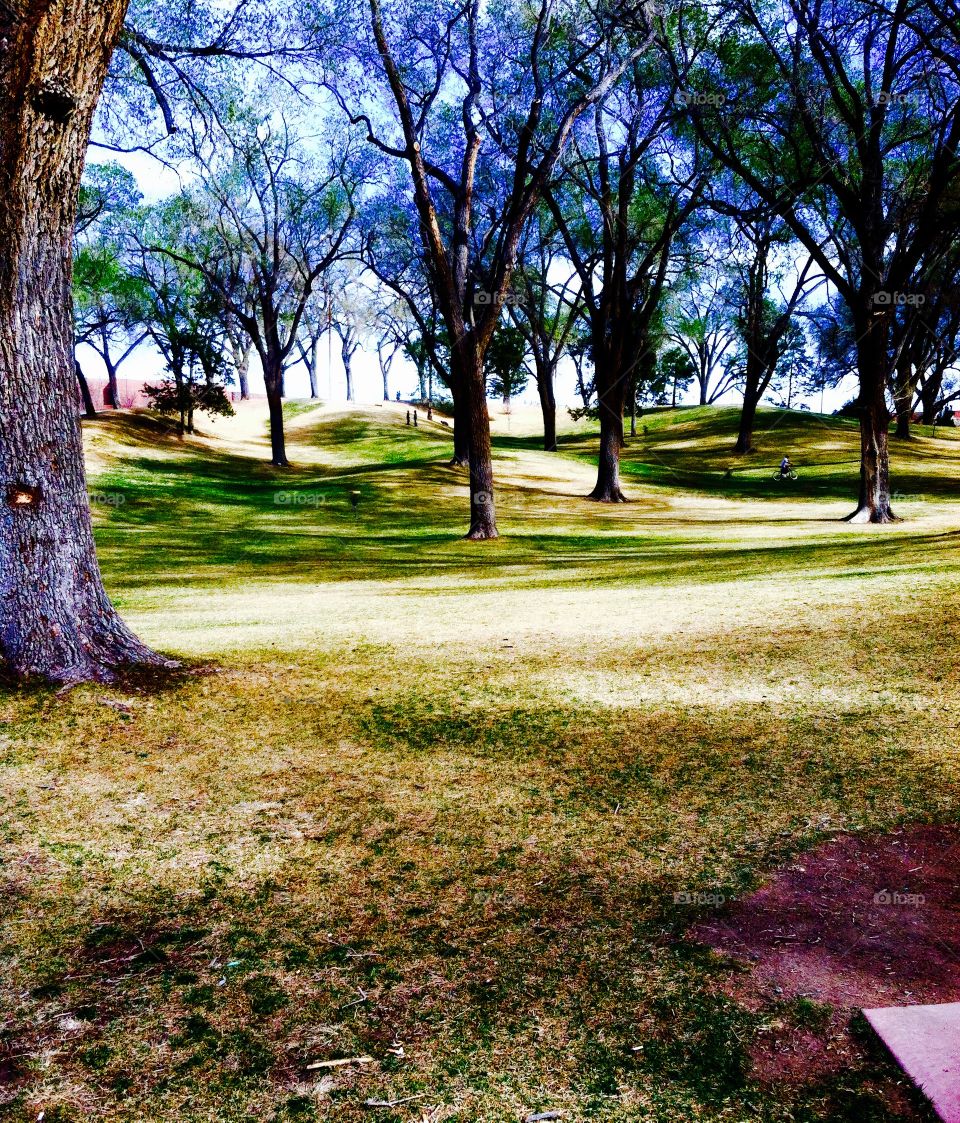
(785, 466)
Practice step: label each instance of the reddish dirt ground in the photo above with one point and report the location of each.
(861, 921)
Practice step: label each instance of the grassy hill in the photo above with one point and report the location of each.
(430, 802)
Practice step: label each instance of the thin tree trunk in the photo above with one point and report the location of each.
(311, 359)
(548, 406)
(89, 409)
(56, 620)
(347, 356)
(243, 376)
(113, 387)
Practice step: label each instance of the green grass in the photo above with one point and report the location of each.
(429, 801)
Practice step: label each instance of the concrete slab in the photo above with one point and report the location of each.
(925, 1042)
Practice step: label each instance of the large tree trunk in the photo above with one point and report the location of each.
(56, 621)
(273, 380)
(748, 418)
(483, 521)
(611, 392)
(873, 503)
(89, 409)
(548, 406)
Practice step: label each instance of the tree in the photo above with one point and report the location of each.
(313, 326)
(625, 193)
(108, 308)
(676, 370)
(504, 363)
(185, 321)
(353, 311)
(241, 347)
(393, 333)
(545, 312)
(184, 396)
(925, 340)
(348, 333)
(107, 302)
(56, 621)
(701, 319)
(845, 119)
(548, 66)
(768, 291)
(395, 254)
(263, 228)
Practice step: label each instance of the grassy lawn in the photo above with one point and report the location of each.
(429, 802)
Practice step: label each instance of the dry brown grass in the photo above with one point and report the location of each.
(436, 814)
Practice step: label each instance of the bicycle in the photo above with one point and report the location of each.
(779, 476)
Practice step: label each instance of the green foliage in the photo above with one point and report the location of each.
(504, 362)
(188, 396)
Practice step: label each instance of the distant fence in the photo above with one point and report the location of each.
(130, 394)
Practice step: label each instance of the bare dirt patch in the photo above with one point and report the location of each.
(861, 921)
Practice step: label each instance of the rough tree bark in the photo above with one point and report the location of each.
(748, 418)
(611, 393)
(273, 381)
(873, 504)
(56, 621)
(483, 522)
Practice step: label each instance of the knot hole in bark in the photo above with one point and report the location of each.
(23, 496)
(55, 102)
